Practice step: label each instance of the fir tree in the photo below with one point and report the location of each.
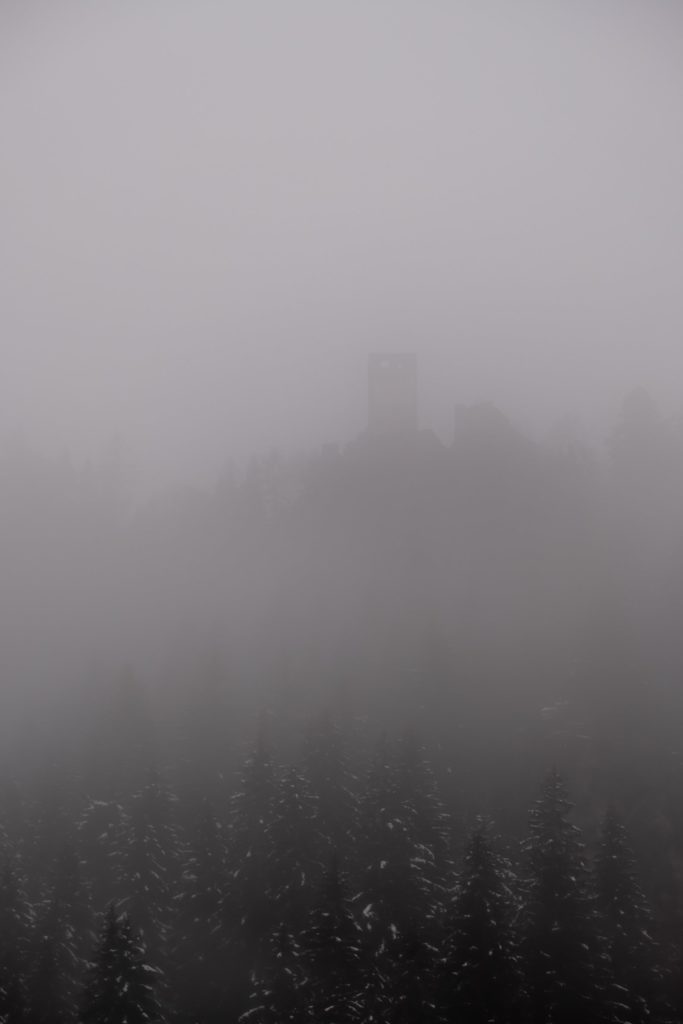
(431, 829)
(395, 889)
(148, 858)
(15, 924)
(99, 830)
(481, 980)
(294, 849)
(5, 845)
(414, 981)
(327, 766)
(60, 940)
(396, 898)
(121, 985)
(200, 954)
(279, 995)
(15, 827)
(564, 966)
(330, 954)
(246, 908)
(637, 978)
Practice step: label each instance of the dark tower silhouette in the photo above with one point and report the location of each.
(392, 393)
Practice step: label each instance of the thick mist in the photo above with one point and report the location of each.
(210, 216)
(341, 508)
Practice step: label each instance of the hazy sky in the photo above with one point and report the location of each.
(210, 212)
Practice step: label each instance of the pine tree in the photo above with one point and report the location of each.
(5, 846)
(14, 819)
(414, 981)
(121, 985)
(481, 978)
(431, 828)
(99, 831)
(326, 764)
(15, 925)
(395, 890)
(61, 938)
(200, 952)
(279, 995)
(295, 849)
(331, 955)
(564, 965)
(637, 978)
(148, 857)
(396, 898)
(246, 908)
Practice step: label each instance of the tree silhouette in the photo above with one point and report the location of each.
(121, 984)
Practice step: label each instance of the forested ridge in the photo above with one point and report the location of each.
(416, 636)
(341, 512)
(335, 884)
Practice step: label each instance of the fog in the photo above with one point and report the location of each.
(341, 377)
(210, 215)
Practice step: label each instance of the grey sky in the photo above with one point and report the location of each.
(211, 211)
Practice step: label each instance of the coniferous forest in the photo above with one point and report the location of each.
(335, 885)
(387, 733)
(341, 512)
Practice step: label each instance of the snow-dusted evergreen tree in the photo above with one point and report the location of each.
(61, 940)
(148, 861)
(431, 828)
(247, 908)
(331, 955)
(15, 827)
(200, 957)
(565, 979)
(99, 829)
(480, 981)
(404, 885)
(121, 985)
(15, 924)
(396, 908)
(414, 981)
(327, 764)
(636, 975)
(295, 849)
(5, 846)
(279, 987)
(395, 887)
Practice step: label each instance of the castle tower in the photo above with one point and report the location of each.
(392, 393)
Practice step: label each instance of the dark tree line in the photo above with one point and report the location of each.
(330, 885)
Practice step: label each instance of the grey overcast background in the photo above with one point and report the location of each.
(210, 213)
